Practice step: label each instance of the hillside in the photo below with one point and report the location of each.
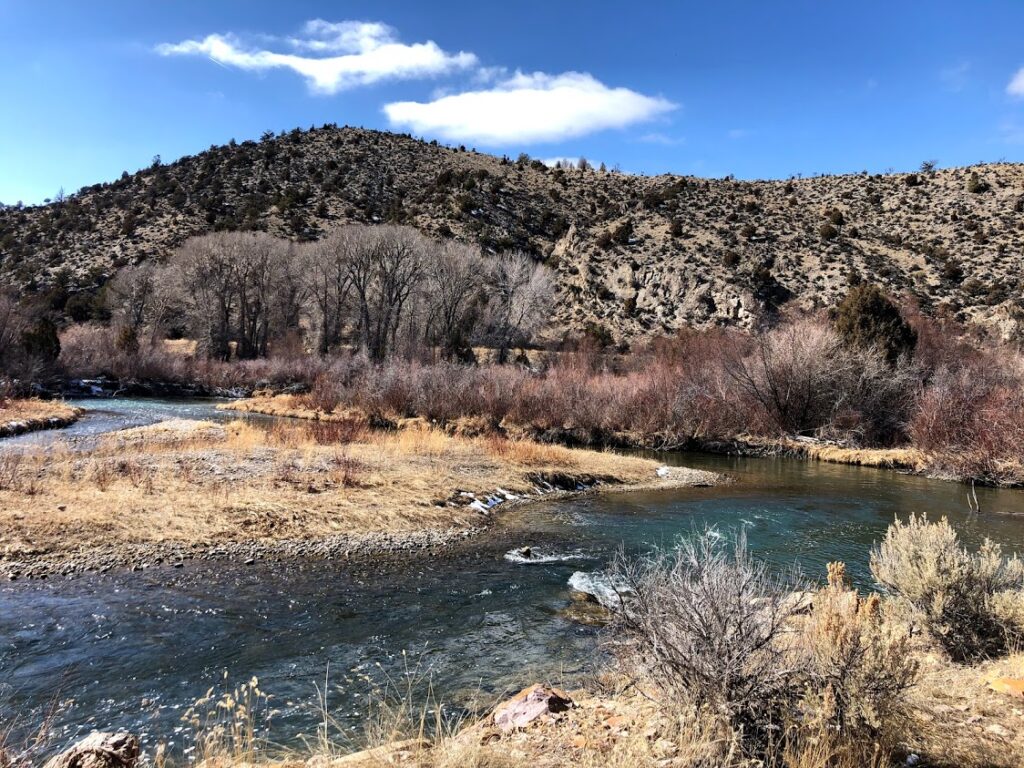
(634, 255)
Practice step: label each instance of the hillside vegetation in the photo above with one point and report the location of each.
(633, 256)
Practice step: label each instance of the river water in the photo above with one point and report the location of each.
(134, 650)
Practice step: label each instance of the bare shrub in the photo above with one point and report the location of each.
(10, 470)
(324, 396)
(950, 589)
(337, 431)
(969, 418)
(703, 624)
(803, 377)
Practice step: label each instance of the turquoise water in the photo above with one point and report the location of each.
(134, 649)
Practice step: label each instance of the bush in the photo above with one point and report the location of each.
(860, 668)
(828, 232)
(702, 623)
(866, 318)
(976, 185)
(952, 591)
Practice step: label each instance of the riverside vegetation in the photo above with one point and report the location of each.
(385, 321)
(714, 660)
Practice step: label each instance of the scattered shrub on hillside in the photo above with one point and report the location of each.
(867, 319)
(952, 591)
(828, 232)
(976, 185)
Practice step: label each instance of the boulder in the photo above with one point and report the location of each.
(99, 750)
(530, 704)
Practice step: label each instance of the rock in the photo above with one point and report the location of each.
(584, 610)
(1009, 685)
(997, 730)
(99, 750)
(530, 704)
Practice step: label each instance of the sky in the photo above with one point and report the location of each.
(752, 89)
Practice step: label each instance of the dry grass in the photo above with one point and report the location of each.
(198, 482)
(26, 415)
(906, 458)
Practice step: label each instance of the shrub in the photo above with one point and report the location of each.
(702, 623)
(828, 232)
(976, 185)
(860, 669)
(866, 318)
(953, 591)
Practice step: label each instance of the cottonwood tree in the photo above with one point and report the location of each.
(453, 296)
(328, 286)
(131, 295)
(386, 264)
(206, 279)
(522, 291)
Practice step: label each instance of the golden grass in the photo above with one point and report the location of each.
(23, 415)
(199, 482)
(906, 458)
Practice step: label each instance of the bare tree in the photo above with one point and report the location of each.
(522, 291)
(328, 285)
(385, 266)
(207, 284)
(257, 260)
(454, 281)
(131, 295)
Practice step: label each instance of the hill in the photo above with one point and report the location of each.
(634, 255)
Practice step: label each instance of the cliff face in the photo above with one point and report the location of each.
(635, 256)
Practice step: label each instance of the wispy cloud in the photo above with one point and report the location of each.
(955, 78)
(737, 133)
(1011, 131)
(1016, 85)
(656, 137)
(332, 56)
(528, 108)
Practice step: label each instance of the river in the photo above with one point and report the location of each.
(133, 650)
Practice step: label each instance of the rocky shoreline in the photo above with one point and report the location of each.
(14, 428)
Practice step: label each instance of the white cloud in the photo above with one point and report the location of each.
(331, 56)
(527, 108)
(1016, 86)
(737, 133)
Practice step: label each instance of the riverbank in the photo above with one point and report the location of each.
(29, 415)
(958, 467)
(182, 490)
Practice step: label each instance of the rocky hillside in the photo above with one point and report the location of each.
(634, 255)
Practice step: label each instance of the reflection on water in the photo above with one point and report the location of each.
(134, 649)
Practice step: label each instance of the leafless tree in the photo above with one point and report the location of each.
(207, 280)
(521, 291)
(328, 285)
(385, 264)
(131, 295)
(454, 281)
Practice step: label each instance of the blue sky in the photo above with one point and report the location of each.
(755, 89)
